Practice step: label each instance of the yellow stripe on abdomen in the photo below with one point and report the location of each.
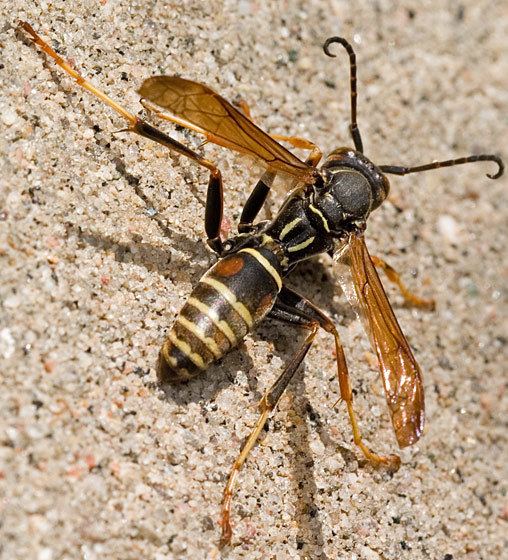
(230, 297)
(185, 348)
(214, 317)
(265, 264)
(198, 333)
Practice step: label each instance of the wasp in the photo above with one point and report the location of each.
(326, 211)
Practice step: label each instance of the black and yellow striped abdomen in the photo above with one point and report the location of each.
(228, 302)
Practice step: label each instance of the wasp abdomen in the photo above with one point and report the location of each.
(229, 300)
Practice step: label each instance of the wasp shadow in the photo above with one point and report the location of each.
(310, 540)
(152, 257)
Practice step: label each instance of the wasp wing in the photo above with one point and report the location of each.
(402, 379)
(200, 108)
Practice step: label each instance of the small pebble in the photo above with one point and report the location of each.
(7, 343)
(449, 228)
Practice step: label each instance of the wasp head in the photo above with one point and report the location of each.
(352, 187)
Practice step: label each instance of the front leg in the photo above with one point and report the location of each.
(394, 277)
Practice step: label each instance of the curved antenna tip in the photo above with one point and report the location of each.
(331, 40)
(500, 171)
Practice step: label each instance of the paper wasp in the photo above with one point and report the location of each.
(326, 211)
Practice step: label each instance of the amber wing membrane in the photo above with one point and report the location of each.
(401, 374)
(208, 113)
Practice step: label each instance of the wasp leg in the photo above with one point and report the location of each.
(255, 202)
(296, 141)
(214, 198)
(266, 406)
(260, 192)
(34, 37)
(394, 276)
(290, 301)
(315, 153)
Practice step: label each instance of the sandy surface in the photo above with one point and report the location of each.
(101, 241)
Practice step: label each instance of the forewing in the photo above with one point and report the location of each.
(222, 124)
(400, 372)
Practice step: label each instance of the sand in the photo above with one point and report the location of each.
(101, 242)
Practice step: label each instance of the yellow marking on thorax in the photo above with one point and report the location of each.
(288, 227)
(185, 348)
(320, 214)
(265, 263)
(266, 240)
(222, 325)
(198, 333)
(230, 297)
(301, 245)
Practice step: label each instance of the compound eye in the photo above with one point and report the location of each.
(381, 191)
